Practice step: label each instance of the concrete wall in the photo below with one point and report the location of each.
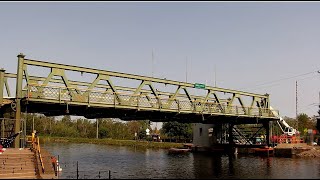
(201, 135)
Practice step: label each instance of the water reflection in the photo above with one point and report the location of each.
(95, 161)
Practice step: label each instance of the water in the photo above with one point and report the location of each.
(133, 163)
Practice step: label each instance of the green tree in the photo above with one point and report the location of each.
(103, 132)
(174, 129)
(305, 122)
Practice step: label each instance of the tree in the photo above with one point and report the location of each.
(174, 129)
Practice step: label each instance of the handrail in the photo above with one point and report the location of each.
(36, 147)
(195, 105)
(39, 151)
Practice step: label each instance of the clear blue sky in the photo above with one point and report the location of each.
(249, 43)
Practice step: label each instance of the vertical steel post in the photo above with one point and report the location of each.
(77, 171)
(18, 98)
(267, 127)
(25, 129)
(297, 105)
(2, 71)
(97, 128)
(231, 143)
(2, 124)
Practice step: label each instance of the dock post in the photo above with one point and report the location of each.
(77, 171)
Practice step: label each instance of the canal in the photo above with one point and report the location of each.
(97, 161)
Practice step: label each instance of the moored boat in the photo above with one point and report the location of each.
(178, 150)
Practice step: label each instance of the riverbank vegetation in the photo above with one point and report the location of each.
(116, 131)
(109, 129)
(108, 141)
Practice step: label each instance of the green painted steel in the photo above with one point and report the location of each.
(17, 123)
(149, 93)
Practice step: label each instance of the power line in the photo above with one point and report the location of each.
(274, 81)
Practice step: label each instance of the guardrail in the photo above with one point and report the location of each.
(129, 100)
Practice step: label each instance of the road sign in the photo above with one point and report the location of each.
(199, 86)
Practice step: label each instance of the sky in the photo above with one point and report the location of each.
(258, 47)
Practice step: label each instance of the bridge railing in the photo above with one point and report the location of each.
(56, 94)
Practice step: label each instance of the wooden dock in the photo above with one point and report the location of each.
(23, 163)
(17, 163)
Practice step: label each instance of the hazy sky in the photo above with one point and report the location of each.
(259, 47)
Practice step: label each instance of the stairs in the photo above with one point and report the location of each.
(17, 163)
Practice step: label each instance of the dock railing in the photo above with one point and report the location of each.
(290, 140)
(36, 147)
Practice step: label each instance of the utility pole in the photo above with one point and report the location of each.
(297, 105)
(187, 69)
(97, 129)
(153, 70)
(215, 76)
(152, 64)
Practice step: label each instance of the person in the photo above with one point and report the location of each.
(54, 164)
(34, 135)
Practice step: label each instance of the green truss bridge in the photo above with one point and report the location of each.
(103, 96)
(58, 89)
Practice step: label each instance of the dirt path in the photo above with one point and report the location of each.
(313, 152)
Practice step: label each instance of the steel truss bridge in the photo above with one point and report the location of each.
(58, 89)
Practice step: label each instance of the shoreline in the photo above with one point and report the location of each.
(118, 142)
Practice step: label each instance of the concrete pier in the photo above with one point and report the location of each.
(289, 150)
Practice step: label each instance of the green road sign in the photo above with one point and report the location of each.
(199, 86)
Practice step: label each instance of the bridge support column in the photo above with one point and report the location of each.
(232, 150)
(17, 123)
(267, 127)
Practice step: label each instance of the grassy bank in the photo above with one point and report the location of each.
(133, 143)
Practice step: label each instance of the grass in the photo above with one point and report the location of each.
(133, 143)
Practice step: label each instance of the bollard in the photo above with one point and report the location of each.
(77, 171)
(99, 175)
(109, 174)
